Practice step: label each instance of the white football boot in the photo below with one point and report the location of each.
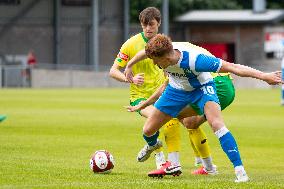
(241, 176)
(146, 151)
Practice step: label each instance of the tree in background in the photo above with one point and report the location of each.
(178, 7)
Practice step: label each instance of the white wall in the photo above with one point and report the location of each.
(43, 78)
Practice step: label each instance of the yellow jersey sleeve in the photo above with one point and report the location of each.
(123, 56)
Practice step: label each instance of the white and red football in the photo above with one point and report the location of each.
(102, 162)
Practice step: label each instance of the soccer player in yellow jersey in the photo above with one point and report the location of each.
(147, 78)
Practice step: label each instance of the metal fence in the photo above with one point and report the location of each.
(14, 76)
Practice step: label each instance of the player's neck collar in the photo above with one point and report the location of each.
(145, 38)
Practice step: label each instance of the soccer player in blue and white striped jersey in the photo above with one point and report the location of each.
(191, 83)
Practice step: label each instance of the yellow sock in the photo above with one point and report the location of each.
(196, 153)
(199, 140)
(172, 135)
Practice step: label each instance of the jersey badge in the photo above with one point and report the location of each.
(122, 56)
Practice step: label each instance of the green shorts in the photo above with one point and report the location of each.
(225, 92)
(136, 102)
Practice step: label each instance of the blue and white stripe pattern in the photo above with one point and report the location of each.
(193, 69)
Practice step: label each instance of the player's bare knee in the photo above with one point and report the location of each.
(190, 123)
(148, 132)
(216, 124)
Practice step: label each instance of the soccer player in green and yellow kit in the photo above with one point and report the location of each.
(147, 78)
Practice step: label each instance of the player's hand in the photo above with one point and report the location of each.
(138, 79)
(128, 74)
(133, 108)
(273, 78)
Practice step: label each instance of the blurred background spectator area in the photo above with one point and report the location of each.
(76, 41)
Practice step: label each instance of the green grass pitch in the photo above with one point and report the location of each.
(49, 136)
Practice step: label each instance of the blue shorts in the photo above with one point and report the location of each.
(172, 101)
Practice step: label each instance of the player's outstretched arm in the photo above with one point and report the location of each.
(141, 55)
(272, 78)
(151, 100)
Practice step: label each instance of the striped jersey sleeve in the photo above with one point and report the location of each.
(200, 62)
(205, 63)
(205, 52)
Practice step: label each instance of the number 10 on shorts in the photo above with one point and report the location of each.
(208, 90)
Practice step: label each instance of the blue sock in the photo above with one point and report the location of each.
(230, 147)
(151, 140)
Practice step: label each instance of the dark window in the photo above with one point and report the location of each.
(76, 2)
(225, 51)
(10, 2)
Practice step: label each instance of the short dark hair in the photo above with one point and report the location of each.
(149, 14)
(158, 46)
